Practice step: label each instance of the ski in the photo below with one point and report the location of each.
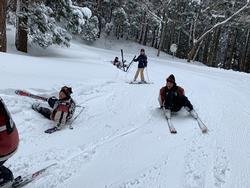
(171, 126)
(21, 181)
(134, 82)
(123, 61)
(130, 64)
(202, 125)
(71, 122)
(27, 94)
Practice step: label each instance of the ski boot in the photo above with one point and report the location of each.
(36, 107)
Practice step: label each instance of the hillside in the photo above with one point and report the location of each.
(121, 140)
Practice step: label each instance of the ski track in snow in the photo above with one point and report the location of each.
(151, 177)
(69, 160)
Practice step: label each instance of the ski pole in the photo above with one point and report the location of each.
(70, 124)
(147, 74)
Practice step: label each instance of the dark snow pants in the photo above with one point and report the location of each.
(175, 102)
(5, 175)
(46, 112)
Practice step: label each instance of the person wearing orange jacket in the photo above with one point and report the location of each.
(9, 141)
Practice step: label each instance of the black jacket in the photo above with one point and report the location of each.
(142, 59)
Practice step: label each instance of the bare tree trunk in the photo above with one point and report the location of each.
(163, 32)
(21, 30)
(244, 53)
(145, 38)
(192, 52)
(141, 33)
(230, 49)
(154, 36)
(197, 51)
(143, 28)
(206, 49)
(99, 11)
(156, 45)
(213, 47)
(247, 67)
(3, 37)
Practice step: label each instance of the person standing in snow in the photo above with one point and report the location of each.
(62, 109)
(142, 63)
(9, 141)
(172, 98)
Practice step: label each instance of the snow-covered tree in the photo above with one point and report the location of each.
(55, 21)
(43, 28)
(90, 30)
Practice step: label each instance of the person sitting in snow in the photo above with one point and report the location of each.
(116, 62)
(172, 98)
(9, 140)
(62, 109)
(142, 59)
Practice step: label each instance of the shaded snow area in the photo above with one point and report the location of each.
(121, 140)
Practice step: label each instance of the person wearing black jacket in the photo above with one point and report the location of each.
(142, 59)
(172, 98)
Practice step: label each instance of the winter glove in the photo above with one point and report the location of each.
(52, 101)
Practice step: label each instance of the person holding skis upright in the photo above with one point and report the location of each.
(172, 98)
(62, 109)
(142, 63)
(9, 141)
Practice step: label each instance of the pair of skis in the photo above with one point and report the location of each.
(125, 67)
(140, 82)
(172, 129)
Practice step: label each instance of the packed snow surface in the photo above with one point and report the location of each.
(121, 140)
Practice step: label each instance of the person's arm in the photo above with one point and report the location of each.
(52, 101)
(180, 91)
(162, 95)
(136, 59)
(146, 61)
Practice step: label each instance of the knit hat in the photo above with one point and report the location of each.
(66, 90)
(171, 79)
(142, 50)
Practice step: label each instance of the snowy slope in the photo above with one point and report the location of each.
(121, 140)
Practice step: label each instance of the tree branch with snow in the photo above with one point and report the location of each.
(223, 22)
